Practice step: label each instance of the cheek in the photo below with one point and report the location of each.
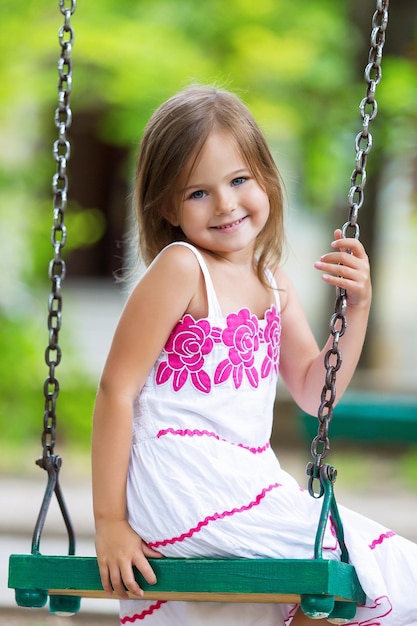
(264, 211)
(261, 203)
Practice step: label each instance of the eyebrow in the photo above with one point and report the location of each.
(234, 174)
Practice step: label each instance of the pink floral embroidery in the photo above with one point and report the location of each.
(187, 346)
(242, 337)
(191, 341)
(272, 337)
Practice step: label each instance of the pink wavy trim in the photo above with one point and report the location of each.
(212, 518)
(145, 613)
(201, 433)
(377, 542)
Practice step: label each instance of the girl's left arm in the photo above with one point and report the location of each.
(302, 362)
(159, 300)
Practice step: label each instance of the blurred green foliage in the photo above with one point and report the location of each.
(22, 375)
(294, 63)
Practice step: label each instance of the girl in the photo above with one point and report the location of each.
(182, 464)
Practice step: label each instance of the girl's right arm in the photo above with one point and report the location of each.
(302, 363)
(159, 300)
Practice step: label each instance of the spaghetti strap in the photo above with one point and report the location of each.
(271, 279)
(214, 309)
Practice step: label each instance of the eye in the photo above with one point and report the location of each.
(197, 195)
(238, 181)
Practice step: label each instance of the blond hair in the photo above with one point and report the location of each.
(177, 131)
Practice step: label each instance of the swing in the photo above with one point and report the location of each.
(323, 588)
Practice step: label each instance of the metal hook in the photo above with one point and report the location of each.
(52, 465)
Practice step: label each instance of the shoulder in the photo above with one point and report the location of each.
(169, 283)
(178, 260)
(162, 295)
(173, 264)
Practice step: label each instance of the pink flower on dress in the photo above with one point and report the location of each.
(242, 337)
(272, 337)
(187, 346)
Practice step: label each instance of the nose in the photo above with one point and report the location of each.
(226, 202)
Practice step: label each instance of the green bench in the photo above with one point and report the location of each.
(364, 417)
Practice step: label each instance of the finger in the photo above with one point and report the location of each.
(105, 580)
(338, 281)
(334, 261)
(117, 583)
(150, 553)
(351, 245)
(338, 263)
(145, 569)
(353, 283)
(130, 582)
(351, 274)
(339, 238)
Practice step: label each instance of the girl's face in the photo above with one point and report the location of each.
(220, 206)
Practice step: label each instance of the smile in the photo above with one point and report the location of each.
(229, 226)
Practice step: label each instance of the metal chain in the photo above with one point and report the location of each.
(363, 143)
(368, 110)
(57, 267)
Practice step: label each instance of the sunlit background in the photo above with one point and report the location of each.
(298, 65)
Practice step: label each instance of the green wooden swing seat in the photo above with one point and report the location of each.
(321, 586)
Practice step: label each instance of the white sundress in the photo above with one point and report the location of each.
(204, 481)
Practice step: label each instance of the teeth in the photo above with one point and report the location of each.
(229, 225)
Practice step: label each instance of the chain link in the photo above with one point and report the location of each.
(57, 267)
(363, 144)
(368, 110)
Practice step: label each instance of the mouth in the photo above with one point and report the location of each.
(229, 226)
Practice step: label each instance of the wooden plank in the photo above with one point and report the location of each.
(183, 596)
(263, 580)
